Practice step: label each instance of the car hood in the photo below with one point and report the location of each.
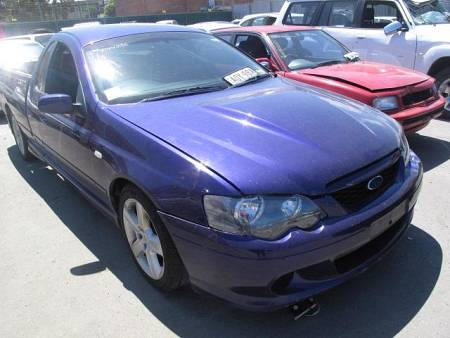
(275, 136)
(369, 75)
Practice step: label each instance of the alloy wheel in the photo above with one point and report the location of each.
(143, 239)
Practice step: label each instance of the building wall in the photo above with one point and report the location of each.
(143, 7)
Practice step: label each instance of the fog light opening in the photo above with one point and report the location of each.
(282, 283)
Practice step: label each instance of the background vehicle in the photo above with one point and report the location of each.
(261, 19)
(188, 144)
(211, 26)
(18, 58)
(419, 38)
(312, 56)
(41, 39)
(167, 22)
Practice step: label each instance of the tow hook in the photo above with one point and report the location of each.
(306, 308)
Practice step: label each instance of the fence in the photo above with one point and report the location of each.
(11, 29)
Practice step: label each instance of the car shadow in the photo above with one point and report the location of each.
(378, 303)
(432, 151)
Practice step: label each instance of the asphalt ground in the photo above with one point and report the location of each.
(65, 269)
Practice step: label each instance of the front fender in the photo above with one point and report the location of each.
(173, 181)
(426, 57)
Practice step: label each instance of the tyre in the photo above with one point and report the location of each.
(150, 244)
(21, 139)
(443, 84)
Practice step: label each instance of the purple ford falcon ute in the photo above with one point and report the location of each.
(253, 188)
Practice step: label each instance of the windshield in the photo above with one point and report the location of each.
(308, 48)
(428, 12)
(155, 65)
(19, 55)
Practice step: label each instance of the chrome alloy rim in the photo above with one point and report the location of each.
(143, 239)
(444, 90)
(18, 135)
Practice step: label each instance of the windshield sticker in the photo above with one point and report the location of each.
(113, 93)
(240, 76)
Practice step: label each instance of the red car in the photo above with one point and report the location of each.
(310, 55)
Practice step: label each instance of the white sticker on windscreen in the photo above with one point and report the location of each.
(113, 93)
(240, 76)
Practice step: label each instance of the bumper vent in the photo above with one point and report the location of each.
(357, 196)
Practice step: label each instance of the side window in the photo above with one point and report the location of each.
(302, 13)
(259, 21)
(377, 14)
(342, 13)
(264, 21)
(62, 77)
(252, 45)
(225, 37)
(270, 20)
(247, 22)
(42, 71)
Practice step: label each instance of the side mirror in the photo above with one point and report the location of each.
(393, 28)
(267, 63)
(56, 104)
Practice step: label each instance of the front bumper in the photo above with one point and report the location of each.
(416, 118)
(266, 275)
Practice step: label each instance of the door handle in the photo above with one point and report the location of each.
(360, 37)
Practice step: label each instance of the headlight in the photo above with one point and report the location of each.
(404, 149)
(266, 217)
(385, 103)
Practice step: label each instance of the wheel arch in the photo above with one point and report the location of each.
(116, 188)
(438, 65)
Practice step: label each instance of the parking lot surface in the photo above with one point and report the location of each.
(65, 269)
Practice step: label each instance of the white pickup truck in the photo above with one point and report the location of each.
(409, 33)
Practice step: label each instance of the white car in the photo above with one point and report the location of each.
(41, 39)
(409, 33)
(212, 26)
(261, 19)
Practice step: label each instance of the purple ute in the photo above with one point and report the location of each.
(256, 189)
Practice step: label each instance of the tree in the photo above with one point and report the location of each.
(110, 8)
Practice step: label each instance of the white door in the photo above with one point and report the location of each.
(369, 40)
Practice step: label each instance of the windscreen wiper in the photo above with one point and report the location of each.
(327, 63)
(253, 79)
(184, 92)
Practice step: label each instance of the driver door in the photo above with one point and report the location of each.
(66, 137)
(369, 40)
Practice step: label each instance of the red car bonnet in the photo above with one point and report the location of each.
(369, 75)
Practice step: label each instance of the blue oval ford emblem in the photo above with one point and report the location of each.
(375, 182)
